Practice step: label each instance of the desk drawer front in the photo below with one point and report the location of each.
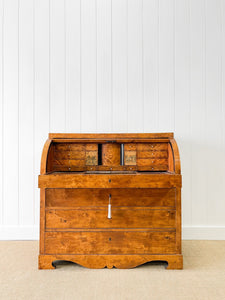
(119, 197)
(110, 242)
(121, 218)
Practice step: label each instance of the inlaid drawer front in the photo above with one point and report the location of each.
(120, 218)
(130, 154)
(119, 197)
(110, 242)
(111, 154)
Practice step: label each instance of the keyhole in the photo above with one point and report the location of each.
(110, 239)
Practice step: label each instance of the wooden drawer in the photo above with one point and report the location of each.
(119, 197)
(153, 157)
(121, 218)
(61, 147)
(152, 147)
(110, 242)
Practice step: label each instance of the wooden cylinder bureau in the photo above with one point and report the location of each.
(110, 200)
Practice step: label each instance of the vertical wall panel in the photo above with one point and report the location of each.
(1, 110)
(215, 178)
(10, 110)
(223, 90)
(104, 72)
(41, 90)
(26, 109)
(150, 64)
(166, 65)
(182, 99)
(198, 134)
(72, 64)
(119, 65)
(57, 66)
(88, 66)
(135, 64)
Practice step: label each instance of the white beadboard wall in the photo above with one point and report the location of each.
(113, 66)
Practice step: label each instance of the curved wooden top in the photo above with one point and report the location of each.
(44, 156)
(176, 156)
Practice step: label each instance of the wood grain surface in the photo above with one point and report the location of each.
(76, 197)
(121, 218)
(110, 261)
(111, 242)
(166, 135)
(82, 180)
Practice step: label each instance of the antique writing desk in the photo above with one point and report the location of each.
(110, 200)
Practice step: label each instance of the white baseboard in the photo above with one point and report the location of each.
(189, 233)
(19, 233)
(203, 233)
